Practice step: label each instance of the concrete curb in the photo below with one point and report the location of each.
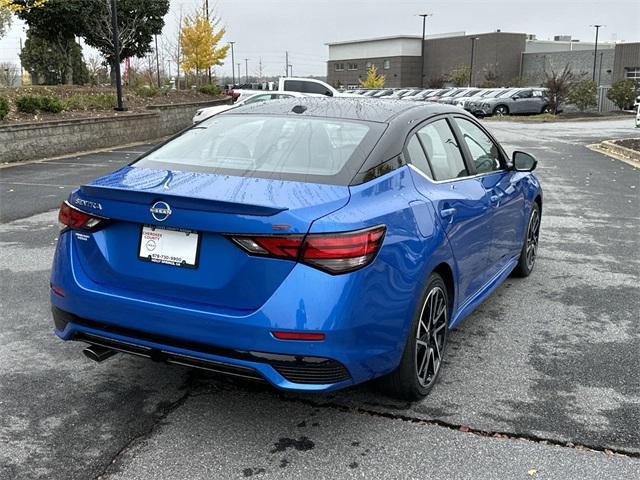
(624, 154)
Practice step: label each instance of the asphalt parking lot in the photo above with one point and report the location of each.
(542, 381)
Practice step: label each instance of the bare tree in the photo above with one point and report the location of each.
(172, 48)
(9, 74)
(97, 70)
(558, 85)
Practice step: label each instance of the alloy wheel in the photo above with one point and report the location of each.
(500, 111)
(430, 336)
(532, 238)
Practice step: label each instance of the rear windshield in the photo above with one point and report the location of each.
(279, 147)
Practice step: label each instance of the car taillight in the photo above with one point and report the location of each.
(332, 252)
(73, 218)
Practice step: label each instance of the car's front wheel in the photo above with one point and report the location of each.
(501, 110)
(426, 344)
(529, 250)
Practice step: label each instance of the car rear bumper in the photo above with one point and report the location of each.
(358, 346)
(285, 371)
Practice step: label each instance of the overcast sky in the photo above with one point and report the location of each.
(267, 28)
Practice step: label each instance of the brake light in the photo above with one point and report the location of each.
(331, 252)
(308, 336)
(73, 218)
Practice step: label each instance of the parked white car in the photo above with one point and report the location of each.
(638, 116)
(244, 99)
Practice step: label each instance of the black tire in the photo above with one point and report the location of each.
(404, 382)
(528, 254)
(501, 110)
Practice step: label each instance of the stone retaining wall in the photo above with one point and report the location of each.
(33, 141)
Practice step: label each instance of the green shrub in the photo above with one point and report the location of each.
(583, 94)
(51, 104)
(210, 89)
(29, 103)
(99, 101)
(4, 108)
(622, 93)
(34, 103)
(148, 91)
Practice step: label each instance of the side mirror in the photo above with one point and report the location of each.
(523, 162)
(328, 93)
(515, 97)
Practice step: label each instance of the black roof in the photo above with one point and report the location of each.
(351, 108)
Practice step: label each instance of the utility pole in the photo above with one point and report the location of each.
(239, 75)
(116, 55)
(157, 62)
(424, 25)
(286, 64)
(20, 60)
(473, 45)
(595, 51)
(206, 3)
(233, 66)
(291, 69)
(246, 70)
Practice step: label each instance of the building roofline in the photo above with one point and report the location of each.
(398, 37)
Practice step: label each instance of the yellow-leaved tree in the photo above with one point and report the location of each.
(8, 7)
(373, 80)
(199, 43)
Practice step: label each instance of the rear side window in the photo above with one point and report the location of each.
(442, 151)
(280, 147)
(417, 157)
(306, 87)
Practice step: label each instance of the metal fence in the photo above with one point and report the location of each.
(604, 104)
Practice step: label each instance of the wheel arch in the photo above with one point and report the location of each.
(538, 200)
(446, 272)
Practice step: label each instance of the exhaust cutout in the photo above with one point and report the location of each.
(97, 353)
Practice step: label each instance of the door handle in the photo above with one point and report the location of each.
(448, 213)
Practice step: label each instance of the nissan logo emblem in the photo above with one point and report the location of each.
(160, 211)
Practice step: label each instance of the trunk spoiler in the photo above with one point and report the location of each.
(189, 203)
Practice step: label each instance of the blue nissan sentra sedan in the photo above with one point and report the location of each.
(314, 243)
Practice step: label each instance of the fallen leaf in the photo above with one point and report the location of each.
(532, 472)
(464, 428)
(608, 452)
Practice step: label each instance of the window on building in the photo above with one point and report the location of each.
(339, 67)
(633, 74)
(352, 66)
(386, 64)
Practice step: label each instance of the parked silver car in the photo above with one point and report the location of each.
(512, 102)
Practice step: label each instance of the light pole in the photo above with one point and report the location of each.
(473, 48)
(246, 70)
(116, 55)
(239, 74)
(233, 66)
(595, 51)
(157, 62)
(206, 5)
(424, 26)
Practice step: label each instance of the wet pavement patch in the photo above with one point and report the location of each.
(302, 444)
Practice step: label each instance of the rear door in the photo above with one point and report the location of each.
(441, 175)
(503, 188)
(524, 102)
